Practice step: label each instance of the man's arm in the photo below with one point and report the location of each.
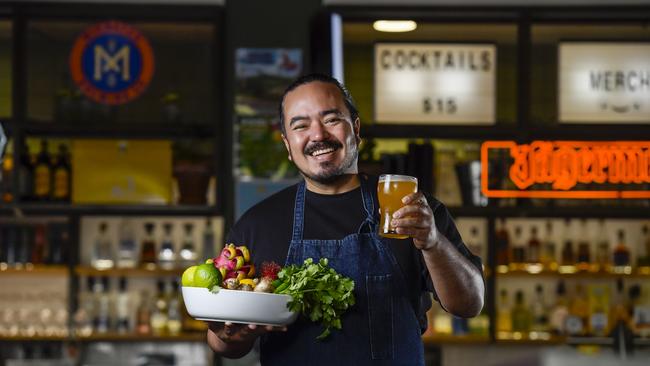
(458, 282)
(235, 340)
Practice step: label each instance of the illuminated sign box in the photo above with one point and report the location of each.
(567, 169)
(604, 82)
(435, 83)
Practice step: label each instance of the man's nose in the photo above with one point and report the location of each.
(319, 132)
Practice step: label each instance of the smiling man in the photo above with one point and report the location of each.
(333, 213)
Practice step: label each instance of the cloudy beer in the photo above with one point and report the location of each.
(390, 190)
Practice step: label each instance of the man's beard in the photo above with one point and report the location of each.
(331, 173)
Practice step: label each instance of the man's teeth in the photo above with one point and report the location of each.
(321, 152)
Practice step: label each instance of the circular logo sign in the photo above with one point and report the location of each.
(112, 63)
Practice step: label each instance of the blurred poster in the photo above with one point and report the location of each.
(261, 75)
(259, 150)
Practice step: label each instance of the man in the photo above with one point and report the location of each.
(333, 213)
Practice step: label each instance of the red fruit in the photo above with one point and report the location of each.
(270, 270)
(223, 262)
(249, 269)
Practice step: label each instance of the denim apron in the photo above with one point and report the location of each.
(381, 329)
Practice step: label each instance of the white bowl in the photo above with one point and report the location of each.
(238, 306)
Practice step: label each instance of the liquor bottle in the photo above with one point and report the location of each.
(560, 311)
(640, 301)
(598, 310)
(62, 177)
(148, 248)
(143, 314)
(603, 262)
(102, 323)
(442, 322)
(174, 316)
(568, 255)
(459, 326)
(621, 255)
(539, 311)
(166, 254)
(518, 250)
(6, 175)
(534, 246)
(521, 316)
(188, 250)
(123, 308)
(480, 325)
(643, 256)
(25, 173)
(127, 254)
(39, 251)
(102, 255)
(502, 243)
(584, 249)
(548, 256)
(504, 310)
(209, 250)
(474, 243)
(43, 173)
(85, 314)
(159, 311)
(577, 320)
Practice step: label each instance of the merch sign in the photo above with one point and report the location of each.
(437, 83)
(112, 63)
(604, 82)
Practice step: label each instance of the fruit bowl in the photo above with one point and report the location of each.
(238, 306)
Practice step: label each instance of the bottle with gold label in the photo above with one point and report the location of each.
(43, 173)
(61, 177)
(521, 316)
(504, 320)
(577, 320)
(6, 177)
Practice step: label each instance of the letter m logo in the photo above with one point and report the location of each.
(105, 63)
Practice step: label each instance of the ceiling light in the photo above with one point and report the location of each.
(394, 25)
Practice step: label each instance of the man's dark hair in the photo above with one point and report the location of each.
(310, 78)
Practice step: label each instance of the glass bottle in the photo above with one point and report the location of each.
(40, 245)
(518, 250)
(504, 310)
(143, 314)
(6, 177)
(576, 321)
(102, 305)
(539, 311)
(560, 311)
(209, 250)
(598, 309)
(568, 255)
(159, 311)
(26, 173)
(62, 176)
(643, 259)
(521, 317)
(548, 256)
(123, 308)
(188, 250)
(102, 257)
(166, 254)
(148, 248)
(603, 262)
(43, 173)
(127, 255)
(534, 246)
(85, 314)
(502, 243)
(584, 249)
(174, 315)
(621, 255)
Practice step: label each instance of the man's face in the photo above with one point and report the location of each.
(320, 137)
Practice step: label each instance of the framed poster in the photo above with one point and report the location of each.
(604, 82)
(435, 83)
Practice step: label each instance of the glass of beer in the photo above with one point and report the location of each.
(390, 190)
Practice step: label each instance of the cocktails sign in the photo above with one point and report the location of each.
(568, 169)
(604, 82)
(112, 63)
(438, 83)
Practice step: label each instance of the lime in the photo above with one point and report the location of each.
(206, 276)
(188, 277)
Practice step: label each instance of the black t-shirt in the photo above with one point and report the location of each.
(266, 230)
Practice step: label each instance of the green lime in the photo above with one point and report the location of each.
(206, 276)
(188, 277)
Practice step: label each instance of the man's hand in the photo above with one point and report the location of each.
(236, 340)
(416, 220)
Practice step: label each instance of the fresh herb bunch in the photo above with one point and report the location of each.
(317, 292)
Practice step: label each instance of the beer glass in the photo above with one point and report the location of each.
(390, 190)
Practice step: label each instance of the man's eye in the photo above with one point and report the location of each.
(333, 120)
(298, 127)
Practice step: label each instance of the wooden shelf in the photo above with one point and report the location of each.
(127, 272)
(37, 270)
(526, 339)
(116, 337)
(98, 210)
(636, 272)
(35, 338)
(145, 130)
(584, 211)
(455, 339)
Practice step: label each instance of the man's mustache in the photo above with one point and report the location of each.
(320, 145)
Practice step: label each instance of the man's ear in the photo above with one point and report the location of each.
(286, 146)
(356, 125)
